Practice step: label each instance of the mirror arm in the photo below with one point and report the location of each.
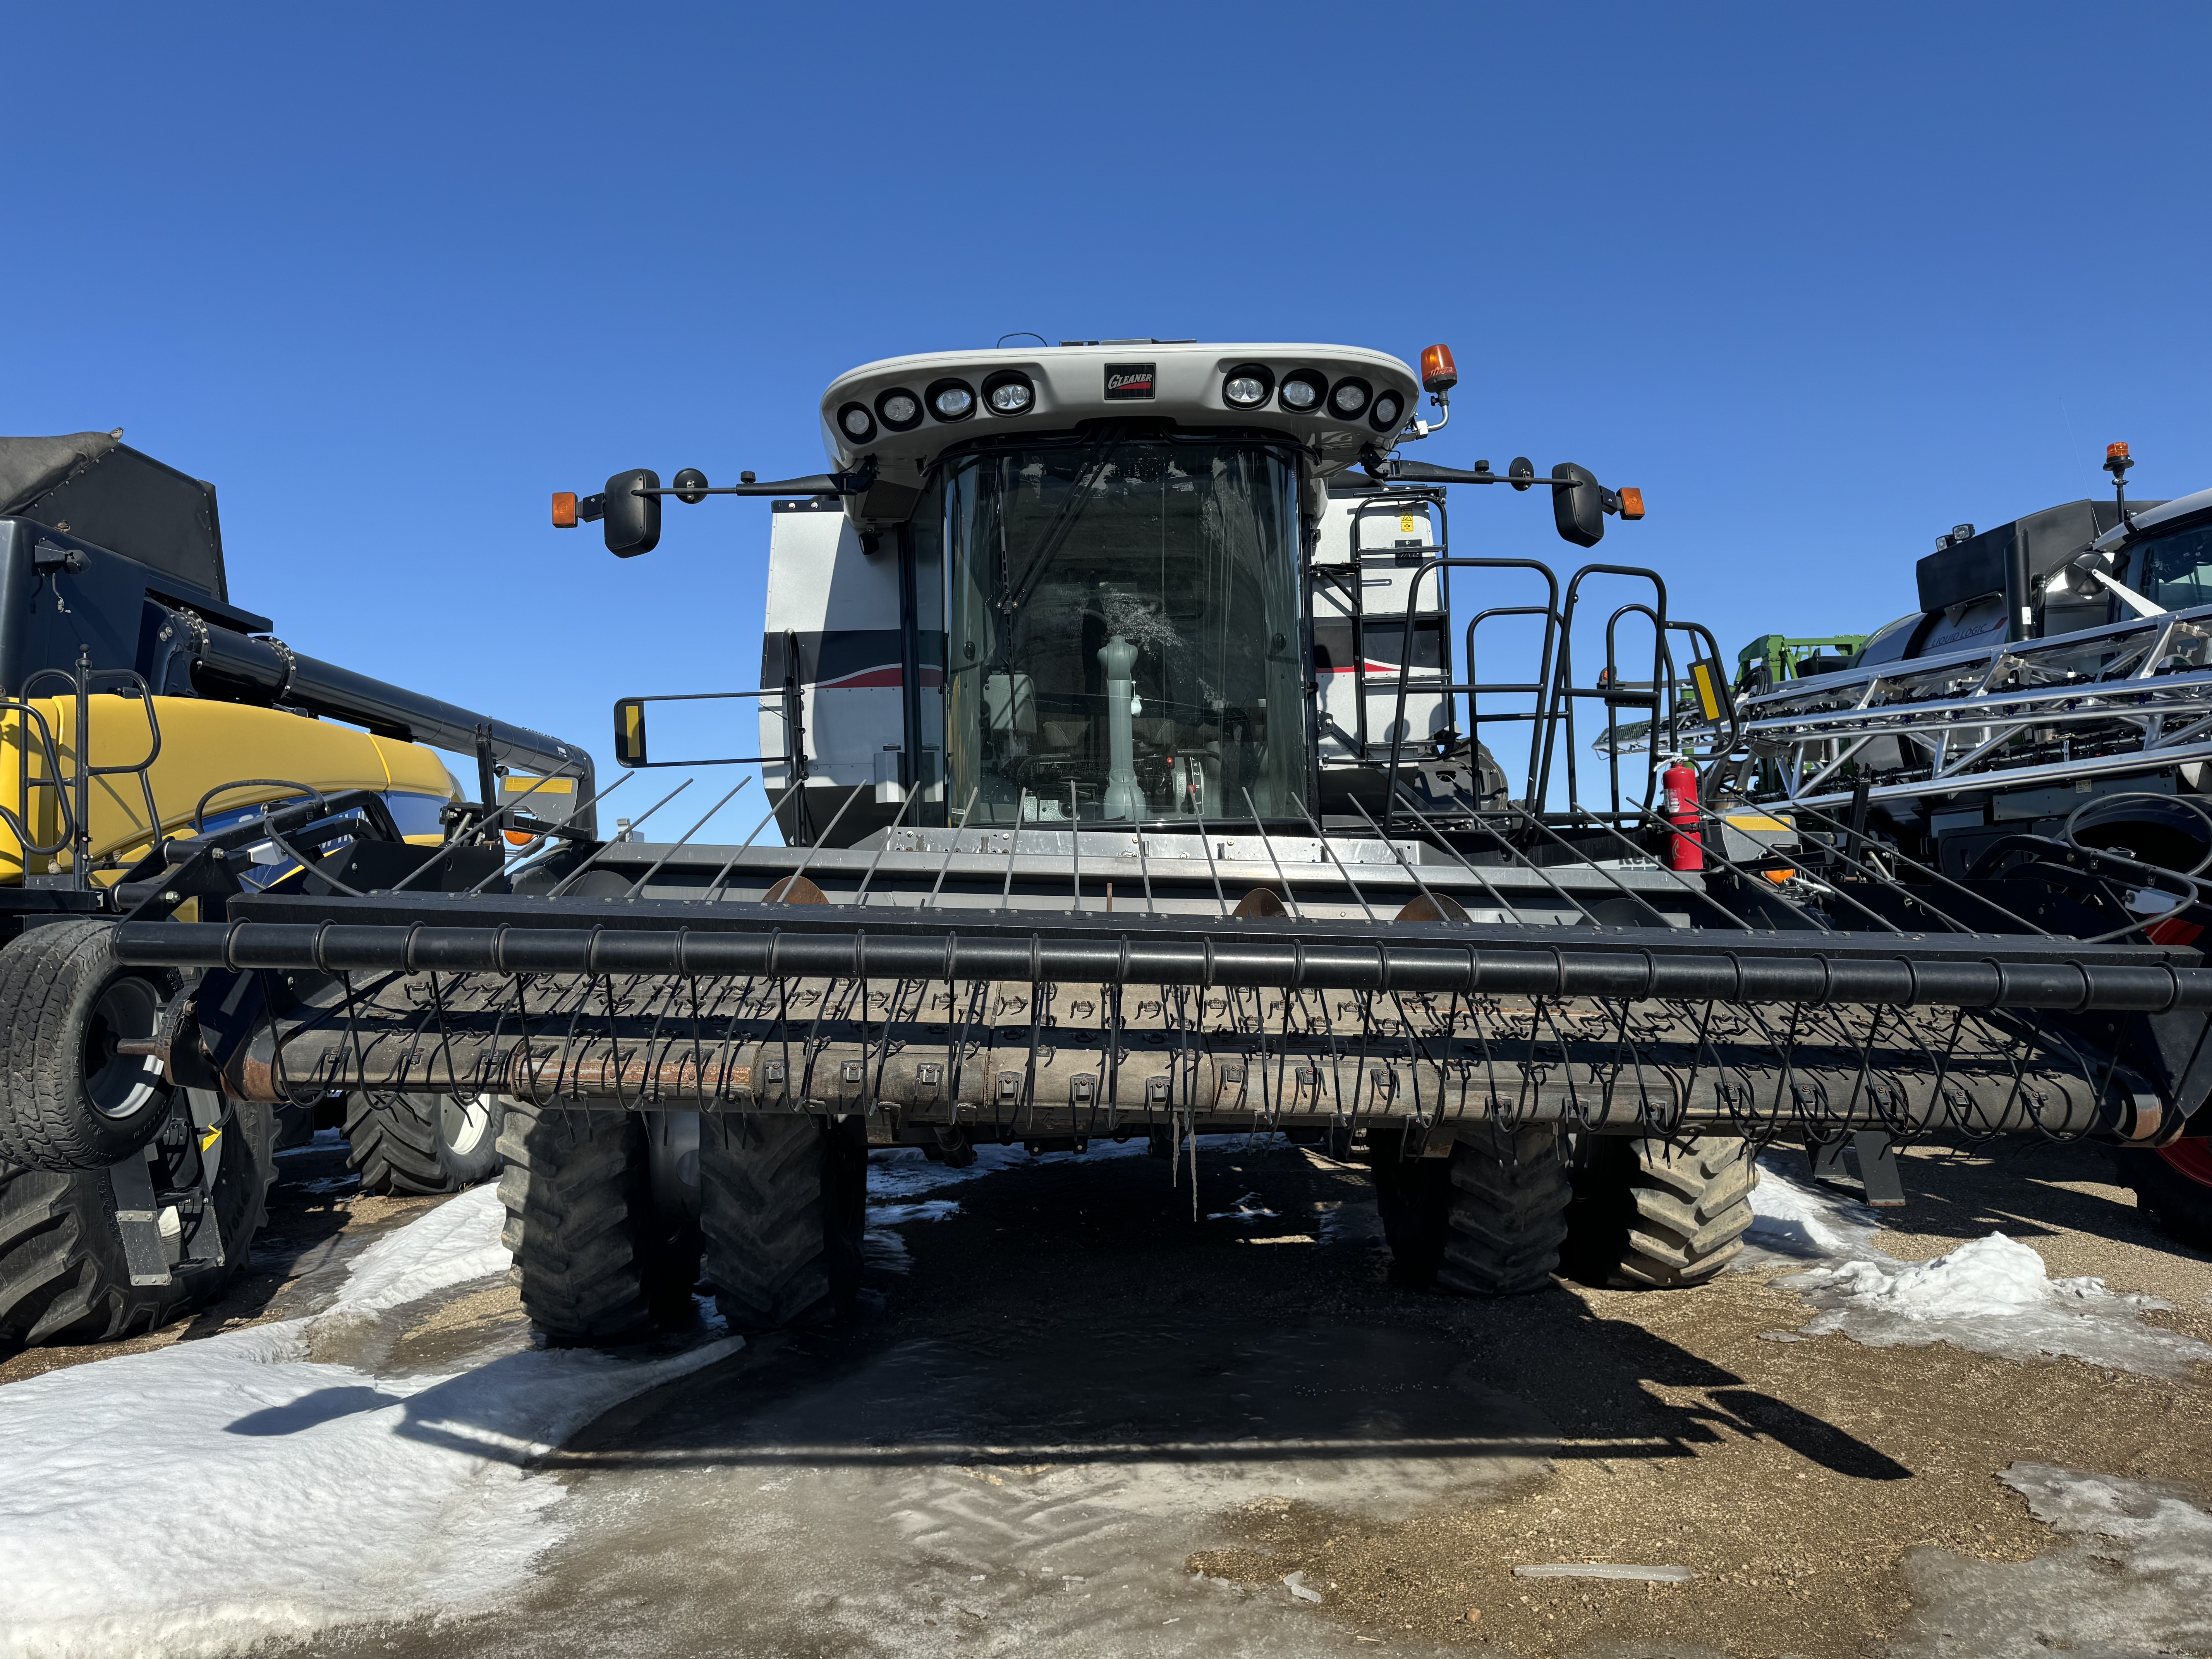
(855, 482)
(1389, 470)
(1386, 469)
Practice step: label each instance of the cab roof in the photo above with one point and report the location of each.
(1179, 380)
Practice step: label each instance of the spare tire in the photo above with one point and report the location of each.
(68, 1099)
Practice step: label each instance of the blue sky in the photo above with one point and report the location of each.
(1822, 281)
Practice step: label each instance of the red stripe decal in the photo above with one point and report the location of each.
(869, 679)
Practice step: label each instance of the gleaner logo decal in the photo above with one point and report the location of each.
(1128, 380)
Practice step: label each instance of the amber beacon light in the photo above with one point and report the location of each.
(1438, 374)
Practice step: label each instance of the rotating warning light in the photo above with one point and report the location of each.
(1438, 375)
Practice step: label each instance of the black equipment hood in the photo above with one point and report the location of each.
(93, 485)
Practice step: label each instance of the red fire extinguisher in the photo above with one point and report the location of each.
(1677, 805)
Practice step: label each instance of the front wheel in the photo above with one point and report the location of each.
(1487, 1221)
(783, 1204)
(1662, 1214)
(599, 1258)
(65, 1275)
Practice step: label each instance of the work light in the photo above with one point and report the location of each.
(1009, 392)
(1350, 397)
(952, 400)
(1301, 391)
(899, 410)
(858, 424)
(1247, 386)
(1387, 409)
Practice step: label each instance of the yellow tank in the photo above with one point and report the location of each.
(203, 744)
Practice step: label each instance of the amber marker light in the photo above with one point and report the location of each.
(1438, 375)
(564, 509)
(1631, 503)
(2116, 451)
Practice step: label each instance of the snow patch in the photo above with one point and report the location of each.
(1250, 1207)
(907, 1173)
(2171, 1534)
(897, 1215)
(1798, 1221)
(1990, 1295)
(204, 1496)
(2132, 1573)
(1994, 1296)
(455, 1242)
(1352, 1222)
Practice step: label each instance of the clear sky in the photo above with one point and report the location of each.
(1823, 281)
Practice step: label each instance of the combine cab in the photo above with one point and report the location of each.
(1151, 761)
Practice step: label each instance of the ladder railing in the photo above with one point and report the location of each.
(71, 784)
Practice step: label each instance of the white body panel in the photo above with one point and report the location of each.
(844, 608)
(1381, 534)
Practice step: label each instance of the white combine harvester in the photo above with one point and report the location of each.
(1122, 715)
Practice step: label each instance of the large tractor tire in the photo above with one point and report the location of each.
(63, 1275)
(783, 1206)
(2174, 1183)
(599, 1260)
(1657, 1213)
(69, 1101)
(418, 1143)
(1487, 1221)
(1413, 1197)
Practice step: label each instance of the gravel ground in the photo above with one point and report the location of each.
(1074, 1419)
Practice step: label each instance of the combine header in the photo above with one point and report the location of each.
(1122, 714)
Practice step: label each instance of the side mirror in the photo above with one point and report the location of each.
(2080, 579)
(1578, 504)
(630, 730)
(633, 521)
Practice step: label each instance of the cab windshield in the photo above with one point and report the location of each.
(1122, 638)
(2175, 570)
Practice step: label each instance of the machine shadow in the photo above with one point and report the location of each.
(1073, 1314)
(2025, 1188)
